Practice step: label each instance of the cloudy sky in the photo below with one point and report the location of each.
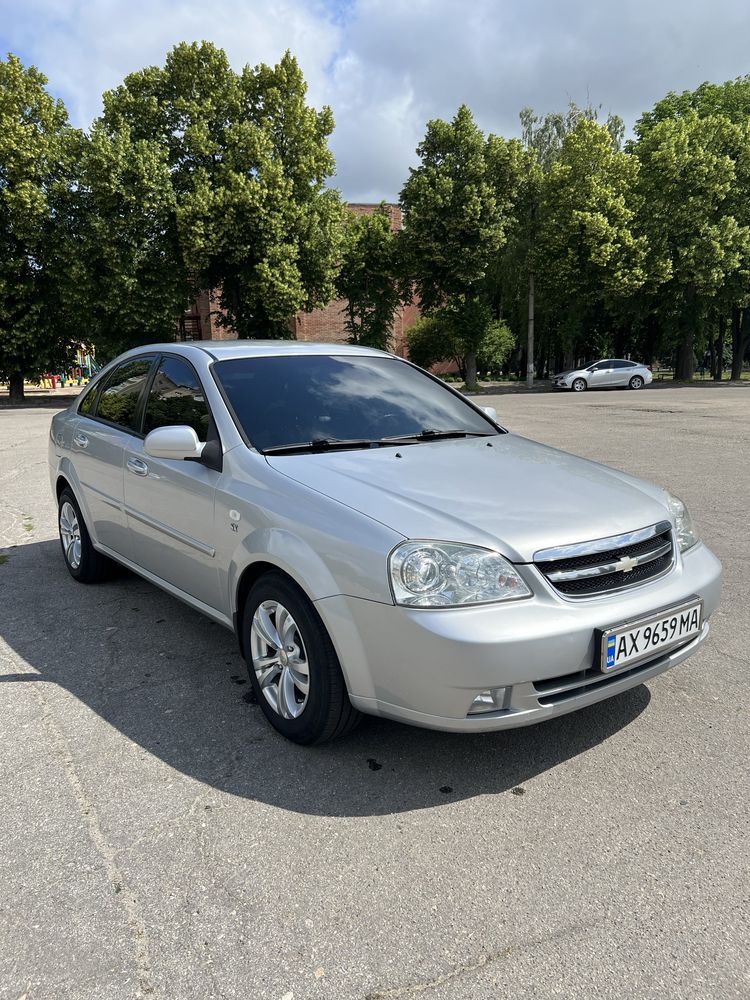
(387, 66)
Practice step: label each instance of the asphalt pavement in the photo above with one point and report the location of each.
(160, 841)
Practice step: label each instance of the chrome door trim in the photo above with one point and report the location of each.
(193, 543)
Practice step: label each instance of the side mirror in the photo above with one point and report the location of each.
(177, 442)
(490, 411)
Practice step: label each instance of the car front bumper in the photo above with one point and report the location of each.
(426, 667)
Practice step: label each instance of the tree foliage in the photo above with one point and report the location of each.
(368, 278)
(248, 161)
(36, 331)
(458, 205)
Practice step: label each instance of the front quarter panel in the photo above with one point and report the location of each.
(325, 546)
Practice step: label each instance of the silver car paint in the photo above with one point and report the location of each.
(330, 521)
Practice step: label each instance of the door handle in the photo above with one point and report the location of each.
(137, 467)
(80, 440)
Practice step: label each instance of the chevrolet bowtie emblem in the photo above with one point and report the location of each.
(626, 565)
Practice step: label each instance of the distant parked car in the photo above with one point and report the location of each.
(601, 374)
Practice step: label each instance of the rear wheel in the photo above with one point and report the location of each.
(293, 666)
(636, 382)
(579, 385)
(84, 563)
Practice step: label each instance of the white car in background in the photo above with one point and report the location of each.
(604, 374)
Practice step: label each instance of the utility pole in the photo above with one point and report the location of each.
(530, 340)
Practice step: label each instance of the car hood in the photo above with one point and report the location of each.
(517, 496)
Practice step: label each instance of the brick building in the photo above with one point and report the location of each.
(200, 321)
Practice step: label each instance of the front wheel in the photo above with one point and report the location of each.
(84, 563)
(636, 382)
(292, 664)
(579, 385)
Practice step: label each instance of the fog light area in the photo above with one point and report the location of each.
(491, 700)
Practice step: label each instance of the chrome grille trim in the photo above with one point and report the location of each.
(608, 565)
(602, 569)
(578, 549)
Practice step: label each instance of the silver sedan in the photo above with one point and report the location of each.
(604, 375)
(376, 541)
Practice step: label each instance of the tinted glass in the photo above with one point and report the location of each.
(118, 400)
(623, 364)
(86, 404)
(176, 397)
(301, 398)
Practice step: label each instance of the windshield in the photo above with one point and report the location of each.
(311, 401)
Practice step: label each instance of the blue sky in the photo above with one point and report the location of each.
(387, 66)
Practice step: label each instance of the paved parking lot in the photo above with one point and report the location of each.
(158, 840)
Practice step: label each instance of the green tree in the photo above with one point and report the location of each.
(456, 217)
(36, 331)
(543, 138)
(448, 335)
(694, 189)
(587, 247)
(248, 160)
(129, 281)
(368, 278)
(696, 145)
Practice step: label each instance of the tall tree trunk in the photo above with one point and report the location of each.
(470, 375)
(684, 368)
(530, 336)
(718, 349)
(16, 387)
(740, 339)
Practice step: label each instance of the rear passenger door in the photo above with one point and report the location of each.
(624, 370)
(170, 503)
(108, 421)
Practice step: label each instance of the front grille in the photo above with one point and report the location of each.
(606, 564)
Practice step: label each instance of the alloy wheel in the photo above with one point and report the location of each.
(279, 659)
(579, 385)
(70, 533)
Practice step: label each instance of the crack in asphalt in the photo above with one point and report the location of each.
(125, 896)
(465, 968)
(446, 977)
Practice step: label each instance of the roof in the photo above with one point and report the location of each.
(223, 349)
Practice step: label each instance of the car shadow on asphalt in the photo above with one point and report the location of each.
(173, 682)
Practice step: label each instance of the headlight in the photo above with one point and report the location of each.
(446, 574)
(686, 536)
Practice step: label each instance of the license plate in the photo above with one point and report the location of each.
(646, 638)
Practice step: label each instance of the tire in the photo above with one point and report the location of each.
(636, 382)
(296, 678)
(579, 385)
(84, 563)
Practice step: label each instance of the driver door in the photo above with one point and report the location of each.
(600, 375)
(170, 503)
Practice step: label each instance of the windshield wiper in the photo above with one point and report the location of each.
(323, 444)
(344, 444)
(430, 434)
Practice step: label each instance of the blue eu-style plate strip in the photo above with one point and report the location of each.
(611, 647)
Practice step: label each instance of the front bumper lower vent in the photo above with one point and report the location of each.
(608, 564)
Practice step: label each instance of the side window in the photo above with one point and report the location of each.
(623, 364)
(118, 400)
(88, 401)
(176, 397)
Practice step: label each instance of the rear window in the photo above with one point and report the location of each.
(291, 399)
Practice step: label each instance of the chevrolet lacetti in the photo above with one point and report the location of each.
(376, 541)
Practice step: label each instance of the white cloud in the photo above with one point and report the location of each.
(387, 66)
